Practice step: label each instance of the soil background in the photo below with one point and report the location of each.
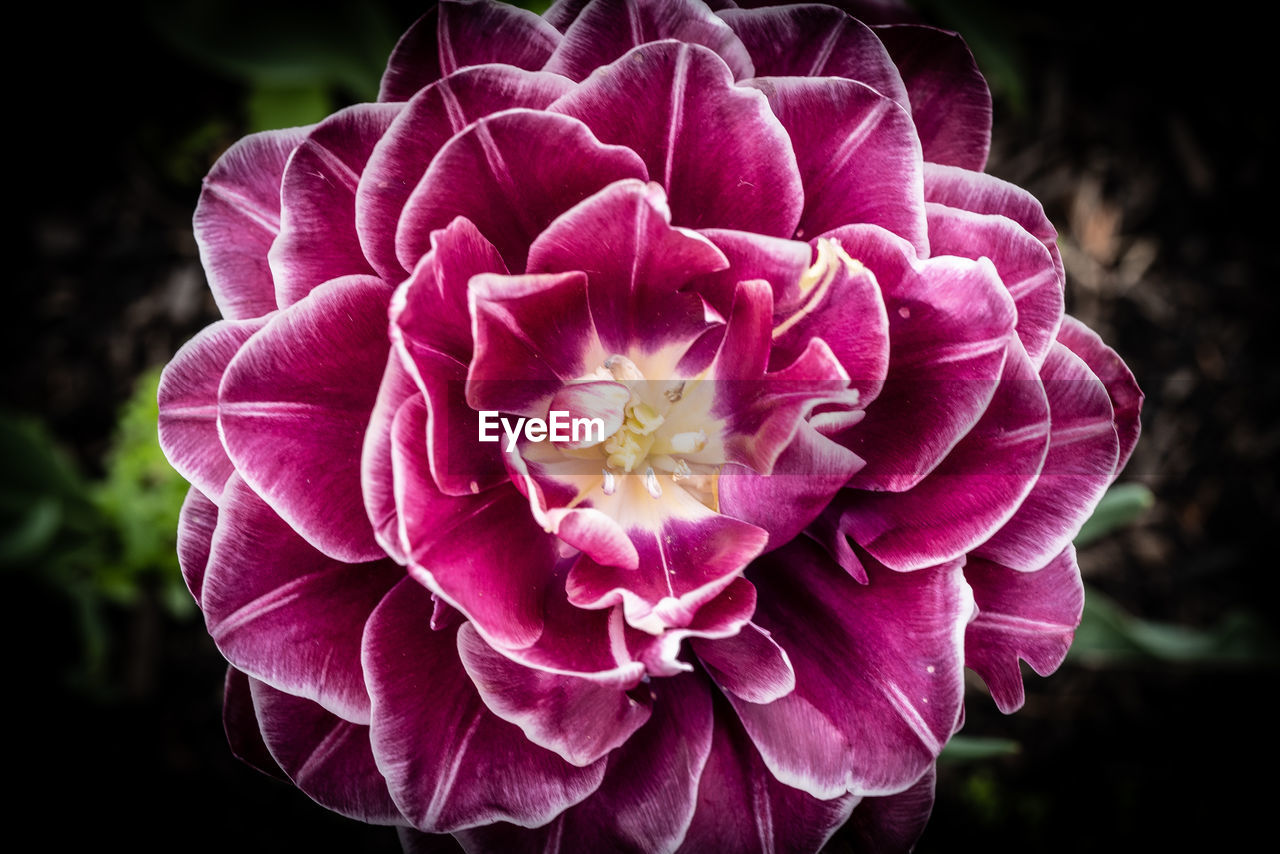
(1149, 135)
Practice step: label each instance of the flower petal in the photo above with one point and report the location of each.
(779, 262)
(317, 240)
(237, 218)
(283, 612)
(376, 478)
(722, 156)
(452, 765)
(294, 404)
(240, 722)
(595, 39)
(879, 684)
(892, 824)
(1122, 388)
(750, 665)
(188, 401)
(560, 162)
(196, 523)
(1021, 615)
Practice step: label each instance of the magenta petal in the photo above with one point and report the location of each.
(328, 758)
(449, 761)
(293, 408)
(427, 122)
(595, 39)
(560, 164)
(749, 665)
(580, 718)
(743, 809)
(317, 240)
(892, 824)
(723, 158)
(414, 61)
(950, 101)
(1021, 615)
(376, 479)
(475, 33)
(1024, 264)
(779, 262)
(1081, 461)
(982, 482)
(188, 400)
(196, 523)
(879, 683)
(238, 217)
(1122, 388)
(815, 41)
(240, 722)
(283, 612)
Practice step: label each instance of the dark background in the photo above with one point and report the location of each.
(1149, 136)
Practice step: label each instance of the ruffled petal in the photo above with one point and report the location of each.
(196, 523)
(317, 240)
(283, 612)
(779, 262)
(450, 762)
(950, 101)
(294, 404)
(892, 824)
(414, 61)
(879, 683)
(1122, 388)
(376, 477)
(1083, 449)
(188, 401)
(1021, 615)
(474, 175)
(237, 218)
(723, 158)
(427, 122)
(240, 722)
(750, 665)
(595, 39)
(328, 758)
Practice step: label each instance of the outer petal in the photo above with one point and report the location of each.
(188, 400)
(196, 524)
(1021, 615)
(1083, 449)
(293, 408)
(950, 101)
(561, 163)
(427, 122)
(879, 687)
(1122, 388)
(414, 61)
(812, 40)
(326, 757)
(377, 483)
(744, 809)
(240, 722)
(892, 824)
(750, 665)
(595, 39)
(237, 218)
(647, 799)
(716, 148)
(317, 240)
(286, 614)
(452, 764)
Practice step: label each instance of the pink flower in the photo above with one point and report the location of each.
(836, 433)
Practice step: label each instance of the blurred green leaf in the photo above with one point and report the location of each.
(272, 106)
(1123, 505)
(969, 748)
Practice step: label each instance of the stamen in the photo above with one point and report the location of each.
(622, 368)
(674, 393)
(688, 443)
(815, 281)
(681, 471)
(651, 482)
(610, 482)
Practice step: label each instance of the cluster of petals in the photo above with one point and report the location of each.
(849, 433)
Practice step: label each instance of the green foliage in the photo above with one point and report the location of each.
(968, 748)
(1123, 505)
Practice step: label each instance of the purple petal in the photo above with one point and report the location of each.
(950, 101)
(595, 38)
(982, 482)
(858, 155)
(188, 400)
(414, 61)
(581, 719)
(1024, 264)
(283, 612)
(879, 684)
(240, 722)
(317, 240)
(723, 158)
(779, 262)
(815, 41)
(427, 122)
(293, 408)
(749, 665)
(237, 218)
(893, 824)
(196, 523)
(743, 809)
(328, 758)
(622, 238)
(1122, 388)
(376, 479)
(1083, 449)
(511, 174)
(449, 761)
(1021, 615)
